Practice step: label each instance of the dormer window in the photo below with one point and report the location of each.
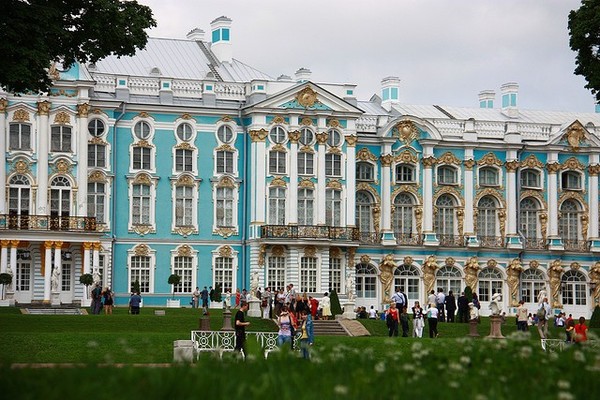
(531, 179)
(447, 175)
(405, 173)
(571, 180)
(488, 176)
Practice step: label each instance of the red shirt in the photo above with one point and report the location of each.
(394, 313)
(580, 333)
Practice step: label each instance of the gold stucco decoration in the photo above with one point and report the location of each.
(351, 140)
(294, 136)
(62, 166)
(225, 231)
(306, 184)
(334, 184)
(450, 261)
(278, 182)
(322, 137)
(185, 180)
(448, 158)
(97, 177)
(365, 155)
(278, 251)
(62, 118)
(83, 109)
(575, 136)
(575, 266)
(407, 131)
(184, 251)
(573, 163)
(555, 271)
(553, 167)
(386, 276)
(258, 135)
(20, 115)
(310, 251)
(512, 166)
(334, 123)
(228, 182)
(335, 252)
(534, 264)
(490, 159)
(306, 121)
(430, 266)
(469, 164)
(21, 166)
(532, 162)
(306, 97)
(3, 105)
(225, 251)
(513, 271)
(278, 120)
(142, 179)
(471, 270)
(365, 259)
(408, 260)
(429, 161)
(141, 250)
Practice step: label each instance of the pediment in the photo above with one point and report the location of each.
(307, 96)
(575, 136)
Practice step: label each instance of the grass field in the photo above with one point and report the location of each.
(452, 366)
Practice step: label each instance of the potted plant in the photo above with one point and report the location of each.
(5, 279)
(173, 280)
(87, 280)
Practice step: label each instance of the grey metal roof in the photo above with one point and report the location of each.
(237, 71)
(371, 108)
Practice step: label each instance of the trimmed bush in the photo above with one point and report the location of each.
(336, 308)
(595, 320)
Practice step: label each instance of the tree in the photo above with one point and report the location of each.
(5, 279)
(174, 279)
(584, 31)
(36, 33)
(336, 308)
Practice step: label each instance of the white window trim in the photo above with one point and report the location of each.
(194, 255)
(581, 178)
(236, 200)
(457, 174)
(342, 174)
(34, 140)
(498, 171)
(280, 149)
(32, 184)
(236, 154)
(174, 226)
(542, 180)
(135, 143)
(152, 254)
(104, 141)
(231, 125)
(415, 171)
(107, 196)
(134, 181)
(234, 264)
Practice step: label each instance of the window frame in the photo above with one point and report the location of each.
(20, 135)
(62, 136)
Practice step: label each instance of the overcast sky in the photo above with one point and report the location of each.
(444, 51)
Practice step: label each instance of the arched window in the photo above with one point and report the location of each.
(407, 278)
(449, 278)
(532, 283)
(447, 175)
(364, 171)
(333, 207)
(529, 217)
(405, 173)
(19, 199)
(490, 282)
(488, 176)
(403, 215)
(364, 204)
(366, 281)
(568, 225)
(306, 205)
(444, 221)
(574, 288)
(486, 217)
(531, 179)
(571, 180)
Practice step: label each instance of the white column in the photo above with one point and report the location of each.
(96, 258)
(3, 105)
(43, 136)
(47, 270)
(292, 203)
(258, 177)
(594, 170)
(4, 255)
(512, 165)
(387, 236)
(58, 261)
(428, 162)
(86, 257)
(321, 178)
(469, 216)
(13, 259)
(350, 180)
(82, 163)
(552, 190)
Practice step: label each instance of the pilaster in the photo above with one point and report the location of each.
(43, 136)
(430, 238)
(82, 163)
(3, 105)
(292, 203)
(321, 178)
(351, 180)
(512, 237)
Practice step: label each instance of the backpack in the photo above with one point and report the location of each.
(541, 313)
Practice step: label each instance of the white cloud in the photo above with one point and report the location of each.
(444, 51)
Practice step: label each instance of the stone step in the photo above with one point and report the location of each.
(329, 328)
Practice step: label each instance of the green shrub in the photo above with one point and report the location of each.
(595, 320)
(86, 279)
(217, 293)
(336, 308)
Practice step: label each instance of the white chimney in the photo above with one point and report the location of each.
(303, 74)
(221, 39)
(196, 35)
(486, 99)
(509, 92)
(390, 91)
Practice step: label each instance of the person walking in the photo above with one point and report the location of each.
(204, 297)
(450, 306)
(307, 337)
(418, 320)
(96, 299)
(522, 315)
(463, 308)
(240, 328)
(134, 303)
(195, 297)
(543, 314)
(440, 300)
(392, 317)
(432, 320)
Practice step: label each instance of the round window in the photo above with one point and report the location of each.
(277, 135)
(185, 132)
(306, 136)
(225, 134)
(142, 130)
(334, 138)
(96, 127)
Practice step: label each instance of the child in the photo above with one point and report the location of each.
(581, 331)
(569, 330)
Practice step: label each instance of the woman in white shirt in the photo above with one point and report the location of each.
(432, 320)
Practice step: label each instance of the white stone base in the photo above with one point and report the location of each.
(349, 310)
(254, 309)
(7, 303)
(86, 302)
(55, 299)
(183, 351)
(173, 303)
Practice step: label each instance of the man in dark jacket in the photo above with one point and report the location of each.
(463, 308)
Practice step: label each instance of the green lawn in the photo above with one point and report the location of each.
(375, 367)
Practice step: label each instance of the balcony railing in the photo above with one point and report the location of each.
(47, 223)
(370, 237)
(575, 245)
(491, 241)
(308, 232)
(451, 240)
(534, 243)
(408, 239)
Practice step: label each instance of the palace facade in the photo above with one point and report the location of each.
(182, 159)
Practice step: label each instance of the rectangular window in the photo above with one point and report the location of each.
(305, 207)
(95, 201)
(96, 156)
(306, 164)
(140, 272)
(333, 208)
(308, 274)
(141, 158)
(277, 206)
(19, 137)
(66, 277)
(276, 272)
(183, 205)
(224, 162)
(446, 176)
(224, 273)
(224, 209)
(23, 283)
(141, 205)
(335, 274)
(277, 161)
(364, 172)
(60, 139)
(182, 266)
(183, 160)
(333, 165)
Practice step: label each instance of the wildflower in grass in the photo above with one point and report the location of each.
(579, 356)
(92, 344)
(562, 384)
(525, 352)
(380, 367)
(481, 397)
(340, 389)
(416, 346)
(454, 366)
(565, 396)
(553, 356)
(465, 360)
(453, 384)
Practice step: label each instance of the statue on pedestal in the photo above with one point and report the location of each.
(55, 279)
(495, 305)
